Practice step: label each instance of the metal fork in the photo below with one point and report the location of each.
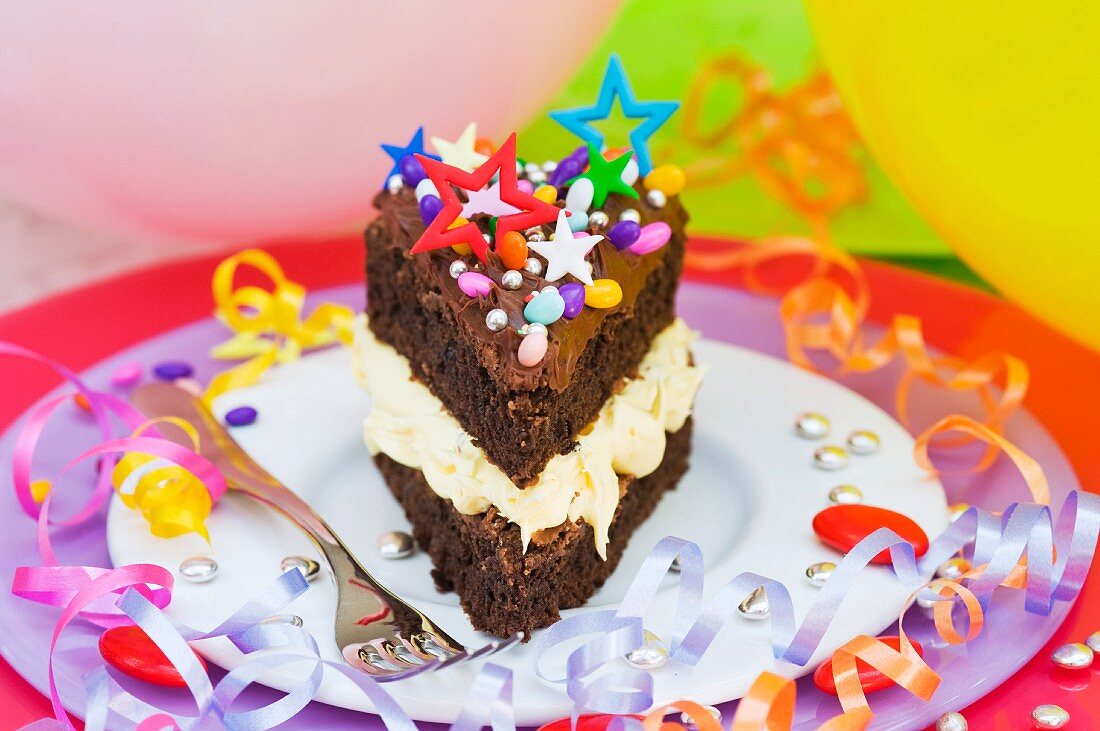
(376, 631)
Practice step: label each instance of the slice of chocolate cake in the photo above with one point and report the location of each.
(532, 387)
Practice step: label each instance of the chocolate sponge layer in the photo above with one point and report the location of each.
(480, 557)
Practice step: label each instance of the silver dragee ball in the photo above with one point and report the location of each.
(811, 425)
(951, 721)
(395, 544)
(458, 268)
(394, 183)
(535, 234)
(830, 458)
(817, 574)
(630, 214)
(198, 569)
(532, 266)
(1048, 716)
(863, 441)
(291, 619)
(755, 605)
(536, 327)
(1074, 656)
(1093, 642)
(309, 568)
(845, 495)
(651, 655)
(599, 219)
(511, 279)
(496, 319)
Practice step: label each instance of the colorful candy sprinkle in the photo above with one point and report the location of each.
(547, 193)
(578, 221)
(170, 370)
(624, 233)
(579, 197)
(568, 169)
(525, 186)
(241, 416)
(430, 206)
(412, 172)
(843, 526)
(669, 179)
(871, 679)
(603, 293)
(652, 237)
(127, 375)
(129, 650)
(474, 284)
(532, 349)
(512, 249)
(572, 294)
(546, 308)
(630, 172)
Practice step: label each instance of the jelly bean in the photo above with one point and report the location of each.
(474, 284)
(669, 179)
(580, 194)
(871, 679)
(547, 193)
(82, 401)
(426, 187)
(652, 237)
(512, 249)
(630, 172)
(126, 375)
(546, 308)
(532, 349)
(241, 416)
(578, 221)
(603, 293)
(843, 526)
(484, 146)
(170, 370)
(572, 294)
(459, 221)
(412, 172)
(624, 233)
(566, 171)
(430, 206)
(131, 651)
(462, 249)
(525, 186)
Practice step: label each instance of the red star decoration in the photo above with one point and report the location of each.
(532, 210)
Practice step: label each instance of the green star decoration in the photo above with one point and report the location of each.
(606, 175)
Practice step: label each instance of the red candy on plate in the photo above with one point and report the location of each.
(843, 526)
(131, 651)
(870, 678)
(589, 722)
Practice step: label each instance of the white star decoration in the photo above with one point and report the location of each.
(461, 153)
(487, 201)
(565, 254)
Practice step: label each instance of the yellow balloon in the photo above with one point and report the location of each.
(987, 115)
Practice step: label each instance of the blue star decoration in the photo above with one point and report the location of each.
(615, 84)
(414, 147)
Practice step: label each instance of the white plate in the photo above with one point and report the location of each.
(748, 501)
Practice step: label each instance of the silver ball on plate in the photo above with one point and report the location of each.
(811, 425)
(458, 268)
(685, 718)
(630, 214)
(1049, 716)
(309, 568)
(395, 544)
(863, 441)
(395, 183)
(537, 178)
(830, 458)
(599, 219)
(651, 655)
(198, 569)
(845, 495)
(951, 721)
(953, 568)
(496, 319)
(1093, 642)
(532, 266)
(511, 279)
(817, 574)
(1074, 656)
(656, 198)
(755, 605)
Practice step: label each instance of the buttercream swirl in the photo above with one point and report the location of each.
(411, 426)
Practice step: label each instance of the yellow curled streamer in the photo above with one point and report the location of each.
(268, 325)
(170, 498)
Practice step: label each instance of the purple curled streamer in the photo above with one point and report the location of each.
(1024, 529)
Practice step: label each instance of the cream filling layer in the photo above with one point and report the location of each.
(411, 426)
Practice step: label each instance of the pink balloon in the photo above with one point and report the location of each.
(258, 118)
